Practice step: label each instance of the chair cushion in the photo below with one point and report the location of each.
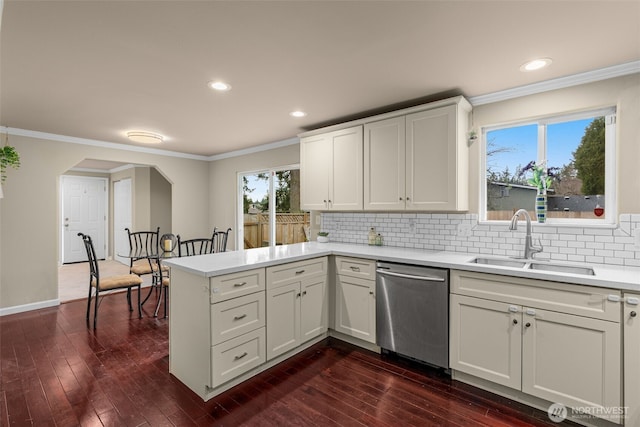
(118, 282)
(142, 266)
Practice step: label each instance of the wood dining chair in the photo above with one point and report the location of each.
(110, 283)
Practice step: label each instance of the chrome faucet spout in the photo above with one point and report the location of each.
(529, 249)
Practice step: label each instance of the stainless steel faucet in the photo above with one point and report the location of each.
(529, 249)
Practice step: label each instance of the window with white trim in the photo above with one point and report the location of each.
(269, 211)
(570, 158)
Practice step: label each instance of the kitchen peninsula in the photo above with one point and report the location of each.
(222, 331)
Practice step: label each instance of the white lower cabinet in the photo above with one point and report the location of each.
(297, 304)
(631, 328)
(522, 339)
(355, 304)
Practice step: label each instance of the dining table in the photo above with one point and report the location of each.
(157, 273)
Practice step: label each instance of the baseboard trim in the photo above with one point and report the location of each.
(29, 307)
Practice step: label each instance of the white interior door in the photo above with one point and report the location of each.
(84, 209)
(121, 218)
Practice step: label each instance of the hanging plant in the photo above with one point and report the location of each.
(8, 157)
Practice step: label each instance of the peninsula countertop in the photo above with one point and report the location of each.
(211, 265)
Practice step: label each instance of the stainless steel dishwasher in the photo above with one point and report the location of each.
(412, 312)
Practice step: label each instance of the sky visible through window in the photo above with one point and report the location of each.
(261, 187)
(516, 146)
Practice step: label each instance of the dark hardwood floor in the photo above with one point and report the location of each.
(57, 372)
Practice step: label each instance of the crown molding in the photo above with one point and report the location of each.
(96, 143)
(559, 83)
(256, 149)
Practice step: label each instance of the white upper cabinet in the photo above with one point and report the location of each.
(412, 159)
(331, 170)
(384, 164)
(418, 161)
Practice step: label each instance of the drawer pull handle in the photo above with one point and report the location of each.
(613, 298)
(354, 268)
(242, 316)
(240, 356)
(237, 285)
(299, 271)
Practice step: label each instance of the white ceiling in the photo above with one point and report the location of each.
(95, 69)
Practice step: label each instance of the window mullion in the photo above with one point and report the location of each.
(542, 144)
(272, 208)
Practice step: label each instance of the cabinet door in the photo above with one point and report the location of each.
(283, 319)
(355, 313)
(570, 359)
(434, 161)
(315, 167)
(384, 164)
(631, 328)
(345, 181)
(314, 309)
(485, 339)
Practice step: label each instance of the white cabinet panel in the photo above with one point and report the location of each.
(571, 359)
(631, 328)
(355, 310)
(486, 340)
(384, 164)
(331, 170)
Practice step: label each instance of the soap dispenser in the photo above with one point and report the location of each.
(372, 236)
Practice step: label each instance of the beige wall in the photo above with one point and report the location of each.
(622, 92)
(160, 190)
(223, 175)
(29, 212)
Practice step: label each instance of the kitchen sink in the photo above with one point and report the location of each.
(534, 265)
(501, 262)
(562, 268)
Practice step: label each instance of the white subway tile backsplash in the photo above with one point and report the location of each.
(439, 232)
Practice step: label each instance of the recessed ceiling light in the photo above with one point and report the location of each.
(220, 86)
(536, 64)
(144, 137)
(297, 113)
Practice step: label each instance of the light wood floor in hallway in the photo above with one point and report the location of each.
(73, 279)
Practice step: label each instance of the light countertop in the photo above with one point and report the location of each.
(608, 276)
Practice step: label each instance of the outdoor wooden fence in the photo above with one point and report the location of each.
(290, 228)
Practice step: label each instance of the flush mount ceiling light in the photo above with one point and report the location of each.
(297, 113)
(144, 137)
(219, 86)
(535, 64)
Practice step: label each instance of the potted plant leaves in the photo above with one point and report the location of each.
(9, 157)
(323, 236)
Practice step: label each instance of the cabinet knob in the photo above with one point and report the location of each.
(633, 314)
(515, 321)
(527, 324)
(370, 292)
(408, 199)
(298, 295)
(400, 198)
(304, 293)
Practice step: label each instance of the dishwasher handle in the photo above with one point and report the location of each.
(411, 276)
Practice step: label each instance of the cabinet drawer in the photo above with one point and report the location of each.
(567, 298)
(281, 275)
(237, 316)
(356, 267)
(237, 356)
(236, 284)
